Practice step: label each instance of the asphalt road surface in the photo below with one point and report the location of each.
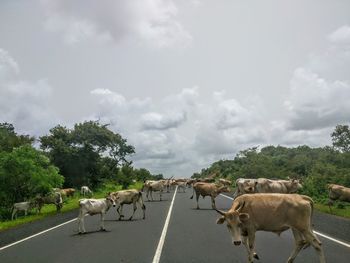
(191, 236)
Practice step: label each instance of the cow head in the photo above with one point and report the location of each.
(234, 220)
(110, 199)
(249, 187)
(295, 185)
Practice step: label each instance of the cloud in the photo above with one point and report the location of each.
(25, 104)
(340, 36)
(319, 92)
(157, 121)
(152, 21)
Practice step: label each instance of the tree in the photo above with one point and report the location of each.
(87, 153)
(24, 173)
(341, 138)
(9, 138)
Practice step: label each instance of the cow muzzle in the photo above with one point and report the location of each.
(237, 243)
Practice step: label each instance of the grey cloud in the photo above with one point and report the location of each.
(157, 121)
(152, 21)
(25, 104)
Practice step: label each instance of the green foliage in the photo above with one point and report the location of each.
(341, 138)
(86, 154)
(9, 138)
(24, 173)
(316, 167)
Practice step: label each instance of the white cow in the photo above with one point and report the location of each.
(22, 206)
(93, 207)
(182, 185)
(155, 186)
(85, 190)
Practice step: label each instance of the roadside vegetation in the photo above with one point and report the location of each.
(68, 205)
(88, 154)
(315, 167)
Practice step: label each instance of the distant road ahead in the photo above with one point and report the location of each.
(192, 236)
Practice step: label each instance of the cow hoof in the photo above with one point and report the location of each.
(103, 230)
(144, 218)
(130, 218)
(256, 256)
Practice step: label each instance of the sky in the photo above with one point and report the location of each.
(187, 82)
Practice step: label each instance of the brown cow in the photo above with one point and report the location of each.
(208, 189)
(338, 192)
(253, 212)
(68, 192)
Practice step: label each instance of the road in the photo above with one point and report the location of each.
(192, 236)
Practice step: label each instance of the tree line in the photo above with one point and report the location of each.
(87, 154)
(316, 167)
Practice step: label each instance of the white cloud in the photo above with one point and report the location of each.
(341, 35)
(152, 21)
(320, 91)
(22, 103)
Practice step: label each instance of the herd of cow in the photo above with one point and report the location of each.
(258, 205)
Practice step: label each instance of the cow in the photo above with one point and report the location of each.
(338, 192)
(273, 213)
(52, 198)
(244, 186)
(131, 196)
(93, 207)
(181, 184)
(22, 206)
(67, 192)
(85, 190)
(208, 189)
(263, 185)
(155, 186)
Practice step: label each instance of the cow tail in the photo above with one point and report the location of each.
(141, 200)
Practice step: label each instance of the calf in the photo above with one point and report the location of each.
(23, 206)
(182, 185)
(273, 213)
(131, 196)
(85, 190)
(208, 189)
(93, 207)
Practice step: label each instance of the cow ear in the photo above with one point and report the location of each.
(243, 217)
(220, 220)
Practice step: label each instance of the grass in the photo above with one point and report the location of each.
(343, 212)
(68, 205)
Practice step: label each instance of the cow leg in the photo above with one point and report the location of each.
(121, 212)
(313, 240)
(25, 212)
(299, 244)
(160, 195)
(251, 239)
(103, 222)
(213, 202)
(197, 197)
(245, 243)
(135, 207)
(14, 212)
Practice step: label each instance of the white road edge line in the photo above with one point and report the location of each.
(37, 234)
(158, 253)
(316, 232)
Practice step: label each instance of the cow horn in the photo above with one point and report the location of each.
(220, 212)
(239, 208)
